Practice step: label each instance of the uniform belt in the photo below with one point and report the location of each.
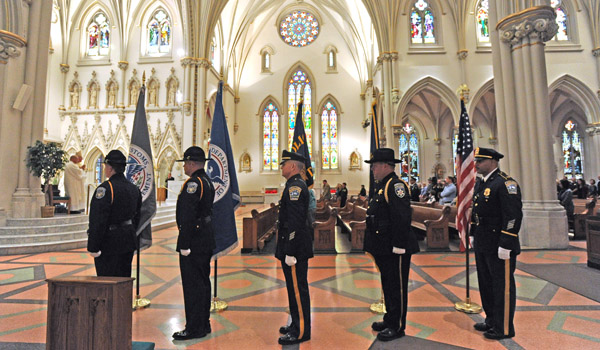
(490, 220)
(113, 227)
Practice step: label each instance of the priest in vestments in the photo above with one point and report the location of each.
(74, 183)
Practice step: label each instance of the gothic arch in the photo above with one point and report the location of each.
(293, 68)
(568, 94)
(260, 113)
(483, 109)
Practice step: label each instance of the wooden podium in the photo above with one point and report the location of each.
(89, 313)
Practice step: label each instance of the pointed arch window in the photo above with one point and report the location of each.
(482, 17)
(98, 35)
(159, 33)
(409, 152)
(98, 173)
(422, 23)
(271, 137)
(572, 148)
(561, 19)
(213, 49)
(329, 136)
(299, 83)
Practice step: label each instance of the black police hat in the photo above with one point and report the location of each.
(115, 157)
(287, 155)
(385, 155)
(194, 153)
(487, 153)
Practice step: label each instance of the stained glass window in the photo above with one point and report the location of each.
(213, 48)
(409, 153)
(98, 169)
(98, 35)
(270, 138)
(159, 33)
(561, 19)
(482, 15)
(572, 151)
(329, 136)
(299, 28)
(422, 23)
(299, 83)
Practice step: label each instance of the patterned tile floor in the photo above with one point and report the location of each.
(342, 288)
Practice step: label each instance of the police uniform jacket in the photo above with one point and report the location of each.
(194, 208)
(293, 237)
(388, 218)
(114, 216)
(497, 214)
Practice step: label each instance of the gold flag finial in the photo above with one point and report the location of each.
(144, 78)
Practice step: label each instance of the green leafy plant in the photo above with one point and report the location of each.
(45, 160)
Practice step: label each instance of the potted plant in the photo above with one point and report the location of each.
(44, 160)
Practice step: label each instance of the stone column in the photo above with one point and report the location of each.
(523, 113)
(592, 143)
(187, 64)
(124, 92)
(201, 101)
(64, 69)
(387, 80)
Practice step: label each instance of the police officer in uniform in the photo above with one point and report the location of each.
(114, 218)
(294, 247)
(389, 239)
(497, 215)
(195, 244)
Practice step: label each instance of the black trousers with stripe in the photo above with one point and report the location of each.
(115, 265)
(498, 290)
(298, 297)
(394, 271)
(195, 280)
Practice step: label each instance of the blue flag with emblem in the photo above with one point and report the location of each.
(300, 146)
(220, 168)
(140, 170)
(374, 146)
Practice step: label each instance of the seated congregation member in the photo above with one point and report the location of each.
(114, 218)
(389, 239)
(449, 192)
(363, 191)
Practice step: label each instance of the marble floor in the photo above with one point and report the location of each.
(342, 287)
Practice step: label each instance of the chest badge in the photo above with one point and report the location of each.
(294, 192)
(399, 189)
(380, 192)
(487, 192)
(192, 187)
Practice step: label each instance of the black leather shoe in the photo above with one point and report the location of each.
(290, 339)
(207, 329)
(185, 334)
(494, 334)
(389, 334)
(378, 326)
(285, 329)
(482, 327)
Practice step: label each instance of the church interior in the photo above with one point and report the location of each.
(528, 72)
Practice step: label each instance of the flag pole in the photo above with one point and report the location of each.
(139, 302)
(466, 306)
(217, 304)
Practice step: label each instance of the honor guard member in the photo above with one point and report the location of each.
(294, 247)
(389, 239)
(497, 215)
(195, 244)
(114, 218)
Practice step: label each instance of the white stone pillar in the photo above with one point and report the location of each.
(124, 93)
(524, 121)
(201, 102)
(387, 97)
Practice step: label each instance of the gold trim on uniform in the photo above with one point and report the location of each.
(506, 295)
(298, 302)
(508, 233)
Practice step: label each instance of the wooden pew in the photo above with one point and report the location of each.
(580, 218)
(434, 221)
(356, 224)
(259, 228)
(324, 231)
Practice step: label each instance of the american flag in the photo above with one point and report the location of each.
(465, 175)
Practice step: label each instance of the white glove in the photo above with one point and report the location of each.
(471, 240)
(503, 254)
(96, 254)
(185, 252)
(397, 250)
(290, 260)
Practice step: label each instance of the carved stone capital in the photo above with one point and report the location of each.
(462, 54)
(369, 83)
(596, 52)
(64, 68)
(8, 50)
(123, 65)
(187, 107)
(536, 23)
(203, 63)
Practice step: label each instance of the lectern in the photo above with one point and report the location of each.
(89, 313)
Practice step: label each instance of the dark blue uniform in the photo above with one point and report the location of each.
(114, 218)
(388, 226)
(293, 239)
(497, 216)
(194, 208)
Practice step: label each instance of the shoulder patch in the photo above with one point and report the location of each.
(511, 186)
(399, 189)
(192, 187)
(100, 192)
(294, 192)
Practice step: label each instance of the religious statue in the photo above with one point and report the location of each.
(133, 94)
(171, 94)
(74, 99)
(93, 97)
(112, 94)
(152, 92)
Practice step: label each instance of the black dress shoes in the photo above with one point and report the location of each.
(285, 329)
(389, 334)
(289, 339)
(378, 326)
(185, 334)
(482, 327)
(494, 334)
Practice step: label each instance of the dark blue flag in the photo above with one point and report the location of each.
(221, 170)
(299, 145)
(140, 170)
(374, 146)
